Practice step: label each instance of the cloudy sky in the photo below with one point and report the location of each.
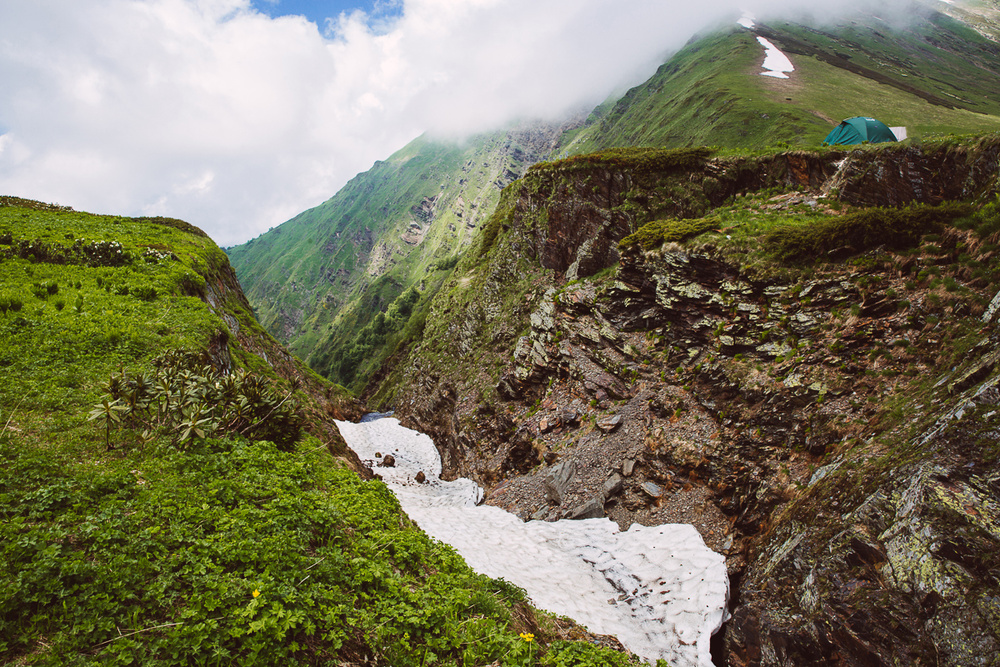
(236, 115)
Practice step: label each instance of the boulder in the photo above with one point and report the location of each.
(591, 509)
(609, 423)
(557, 481)
(613, 485)
(389, 461)
(653, 490)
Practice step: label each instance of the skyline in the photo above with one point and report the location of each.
(236, 115)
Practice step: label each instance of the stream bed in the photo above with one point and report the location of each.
(659, 589)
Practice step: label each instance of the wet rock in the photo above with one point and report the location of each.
(540, 514)
(613, 485)
(653, 490)
(557, 481)
(421, 478)
(389, 461)
(609, 423)
(592, 509)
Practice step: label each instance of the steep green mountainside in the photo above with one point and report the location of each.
(327, 281)
(983, 16)
(933, 75)
(317, 280)
(173, 489)
(798, 353)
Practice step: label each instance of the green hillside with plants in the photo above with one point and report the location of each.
(935, 75)
(173, 490)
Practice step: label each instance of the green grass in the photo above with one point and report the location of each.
(633, 159)
(934, 77)
(169, 547)
(860, 231)
(654, 234)
(155, 557)
(836, 94)
(317, 280)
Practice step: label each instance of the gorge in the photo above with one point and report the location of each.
(659, 590)
(660, 368)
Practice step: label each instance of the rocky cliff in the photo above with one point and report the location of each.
(747, 345)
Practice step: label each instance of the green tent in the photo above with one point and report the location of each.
(858, 129)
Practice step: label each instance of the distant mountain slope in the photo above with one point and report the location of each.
(325, 282)
(934, 75)
(319, 278)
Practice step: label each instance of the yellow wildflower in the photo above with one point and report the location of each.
(527, 636)
(256, 593)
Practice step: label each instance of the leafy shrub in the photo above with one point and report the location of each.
(144, 293)
(188, 398)
(10, 303)
(446, 264)
(581, 654)
(861, 231)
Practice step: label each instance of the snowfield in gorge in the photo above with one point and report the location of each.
(659, 589)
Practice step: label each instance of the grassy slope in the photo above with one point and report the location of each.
(936, 77)
(153, 553)
(317, 279)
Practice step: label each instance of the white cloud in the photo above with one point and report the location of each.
(209, 111)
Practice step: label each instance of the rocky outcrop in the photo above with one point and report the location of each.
(830, 428)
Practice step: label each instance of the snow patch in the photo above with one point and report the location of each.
(747, 21)
(659, 589)
(775, 62)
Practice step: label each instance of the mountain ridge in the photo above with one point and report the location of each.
(710, 92)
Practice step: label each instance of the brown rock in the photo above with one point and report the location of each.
(610, 423)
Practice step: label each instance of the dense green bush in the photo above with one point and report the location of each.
(857, 232)
(189, 398)
(654, 234)
(9, 302)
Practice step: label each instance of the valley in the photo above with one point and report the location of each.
(685, 386)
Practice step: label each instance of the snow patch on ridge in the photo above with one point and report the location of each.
(775, 62)
(659, 589)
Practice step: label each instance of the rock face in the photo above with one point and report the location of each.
(831, 429)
